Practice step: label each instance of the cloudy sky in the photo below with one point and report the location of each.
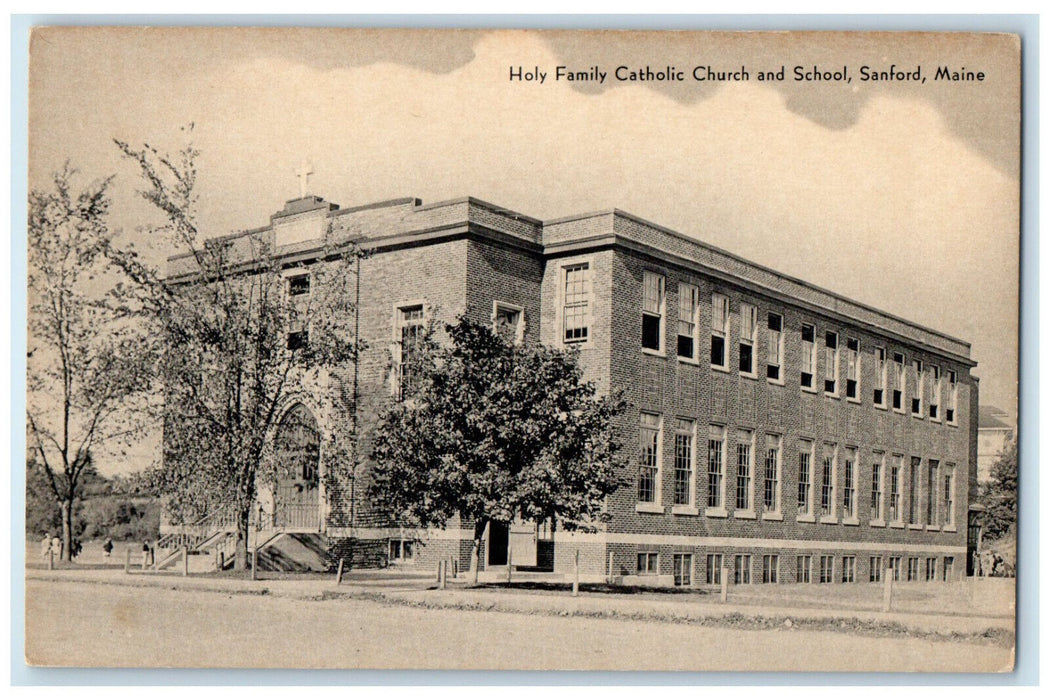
(899, 194)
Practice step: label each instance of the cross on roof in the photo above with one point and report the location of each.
(303, 173)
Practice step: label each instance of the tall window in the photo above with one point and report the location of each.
(849, 488)
(895, 489)
(827, 564)
(771, 492)
(874, 569)
(849, 566)
(876, 488)
(913, 491)
(931, 569)
(831, 362)
(953, 396)
(916, 399)
(742, 570)
(683, 462)
(714, 569)
(949, 566)
(716, 445)
(770, 564)
(913, 568)
(410, 335)
(743, 470)
(577, 309)
(803, 567)
(748, 336)
(653, 312)
(688, 313)
(649, 468)
(809, 355)
(880, 377)
(805, 478)
(719, 331)
(933, 467)
(683, 569)
(775, 351)
(896, 565)
(827, 482)
(898, 381)
(935, 393)
(949, 495)
(852, 368)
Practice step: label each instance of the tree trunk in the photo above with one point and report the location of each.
(67, 530)
(240, 561)
(479, 530)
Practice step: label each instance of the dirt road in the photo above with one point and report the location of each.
(85, 624)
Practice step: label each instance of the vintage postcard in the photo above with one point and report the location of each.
(529, 350)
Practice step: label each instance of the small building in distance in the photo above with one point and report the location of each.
(995, 429)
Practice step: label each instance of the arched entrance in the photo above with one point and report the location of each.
(297, 446)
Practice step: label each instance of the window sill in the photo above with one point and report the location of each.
(776, 382)
(809, 390)
(948, 528)
(749, 375)
(933, 528)
(850, 521)
(654, 353)
(715, 513)
(648, 508)
(805, 519)
(831, 396)
(684, 510)
(935, 420)
(917, 415)
(717, 368)
(744, 514)
(581, 344)
(913, 526)
(853, 400)
(881, 407)
(897, 525)
(829, 520)
(773, 516)
(953, 425)
(899, 411)
(877, 523)
(689, 361)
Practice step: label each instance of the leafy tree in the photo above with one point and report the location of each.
(999, 496)
(88, 362)
(496, 431)
(230, 360)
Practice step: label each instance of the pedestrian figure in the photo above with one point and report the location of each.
(146, 551)
(107, 547)
(56, 546)
(74, 548)
(45, 546)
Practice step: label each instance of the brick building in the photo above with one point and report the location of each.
(786, 433)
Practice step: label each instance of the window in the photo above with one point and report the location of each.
(898, 381)
(771, 492)
(716, 444)
(719, 331)
(876, 488)
(576, 310)
(953, 395)
(649, 469)
(916, 400)
(298, 285)
(410, 335)
(742, 569)
(852, 368)
(770, 564)
(949, 498)
(949, 568)
(508, 322)
(683, 569)
(849, 565)
(913, 491)
(933, 466)
(683, 462)
(931, 569)
(775, 351)
(714, 569)
(688, 312)
(827, 483)
(849, 488)
(827, 562)
(401, 550)
(831, 362)
(805, 479)
(809, 355)
(297, 340)
(895, 565)
(653, 312)
(935, 393)
(647, 564)
(748, 336)
(913, 568)
(743, 470)
(803, 567)
(880, 377)
(875, 569)
(895, 489)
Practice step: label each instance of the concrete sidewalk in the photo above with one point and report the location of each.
(400, 588)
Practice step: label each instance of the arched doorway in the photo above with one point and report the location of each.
(297, 446)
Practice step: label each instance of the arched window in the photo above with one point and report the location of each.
(297, 443)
